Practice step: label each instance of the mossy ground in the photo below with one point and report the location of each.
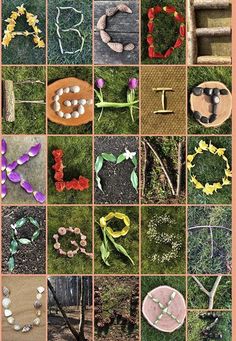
(209, 168)
(197, 75)
(148, 283)
(29, 118)
(116, 120)
(22, 50)
(177, 215)
(77, 159)
(69, 216)
(119, 263)
(165, 33)
(55, 73)
(70, 40)
(199, 247)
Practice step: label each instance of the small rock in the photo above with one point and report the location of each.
(117, 47)
(56, 98)
(81, 110)
(197, 115)
(38, 313)
(60, 113)
(204, 119)
(59, 92)
(215, 99)
(102, 22)
(124, 8)
(75, 89)
(82, 101)
(208, 91)
(224, 92)
(89, 101)
(66, 90)
(111, 11)
(75, 114)
(67, 103)
(129, 47)
(10, 320)
(7, 312)
(17, 327)
(105, 36)
(216, 92)
(74, 102)
(37, 304)
(27, 328)
(36, 321)
(197, 91)
(6, 302)
(5, 291)
(40, 290)
(214, 109)
(212, 118)
(56, 106)
(67, 116)
(39, 296)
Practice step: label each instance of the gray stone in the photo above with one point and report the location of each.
(216, 91)
(214, 109)
(197, 91)
(212, 118)
(204, 119)
(208, 91)
(197, 115)
(224, 92)
(215, 99)
(27, 328)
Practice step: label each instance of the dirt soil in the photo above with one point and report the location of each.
(115, 179)
(58, 330)
(29, 259)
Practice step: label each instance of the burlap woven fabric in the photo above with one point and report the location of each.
(23, 295)
(163, 77)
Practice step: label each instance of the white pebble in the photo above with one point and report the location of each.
(81, 110)
(60, 113)
(10, 320)
(17, 327)
(67, 116)
(75, 89)
(36, 321)
(39, 296)
(7, 312)
(40, 290)
(89, 101)
(66, 90)
(67, 103)
(56, 106)
(6, 302)
(82, 101)
(59, 92)
(56, 98)
(74, 102)
(75, 114)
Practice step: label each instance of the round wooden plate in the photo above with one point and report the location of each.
(203, 104)
(86, 92)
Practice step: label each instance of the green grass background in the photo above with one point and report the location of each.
(166, 32)
(199, 250)
(29, 118)
(83, 73)
(21, 50)
(149, 247)
(196, 325)
(70, 40)
(116, 121)
(209, 168)
(198, 300)
(197, 75)
(78, 161)
(149, 283)
(119, 263)
(69, 216)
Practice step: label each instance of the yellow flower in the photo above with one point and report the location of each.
(198, 185)
(36, 30)
(220, 151)
(212, 148)
(217, 185)
(14, 15)
(203, 145)
(6, 39)
(10, 27)
(10, 21)
(103, 222)
(228, 173)
(190, 165)
(191, 157)
(225, 181)
(26, 33)
(198, 150)
(208, 189)
(21, 9)
(40, 44)
(193, 179)
(32, 20)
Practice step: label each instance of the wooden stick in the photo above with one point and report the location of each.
(212, 242)
(208, 226)
(162, 166)
(179, 172)
(144, 167)
(214, 60)
(210, 294)
(211, 4)
(192, 37)
(213, 31)
(8, 100)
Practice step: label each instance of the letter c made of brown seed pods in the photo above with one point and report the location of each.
(106, 38)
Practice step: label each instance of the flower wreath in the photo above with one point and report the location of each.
(79, 184)
(32, 20)
(152, 13)
(207, 188)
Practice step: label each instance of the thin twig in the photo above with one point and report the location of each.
(144, 167)
(179, 172)
(207, 226)
(162, 166)
(32, 102)
(210, 294)
(31, 81)
(212, 242)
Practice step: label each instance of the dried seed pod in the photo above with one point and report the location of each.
(111, 11)
(117, 47)
(124, 8)
(102, 22)
(129, 47)
(105, 36)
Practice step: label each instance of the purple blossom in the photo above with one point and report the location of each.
(4, 163)
(26, 186)
(14, 177)
(4, 191)
(133, 83)
(100, 83)
(33, 151)
(11, 166)
(4, 177)
(23, 159)
(4, 147)
(40, 197)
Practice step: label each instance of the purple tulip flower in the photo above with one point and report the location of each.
(4, 147)
(40, 197)
(133, 83)
(34, 150)
(100, 83)
(14, 177)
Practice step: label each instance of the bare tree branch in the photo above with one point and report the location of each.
(210, 294)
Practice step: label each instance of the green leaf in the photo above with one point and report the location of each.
(99, 183)
(109, 157)
(135, 161)
(13, 246)
(35, 235)
(120, 249)
(34, 222)
(98, 95)
(134, 180)
(11, 263)
(24, 241)
(98, 164)
(20, 222)
(120, 158)
(105, 253)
